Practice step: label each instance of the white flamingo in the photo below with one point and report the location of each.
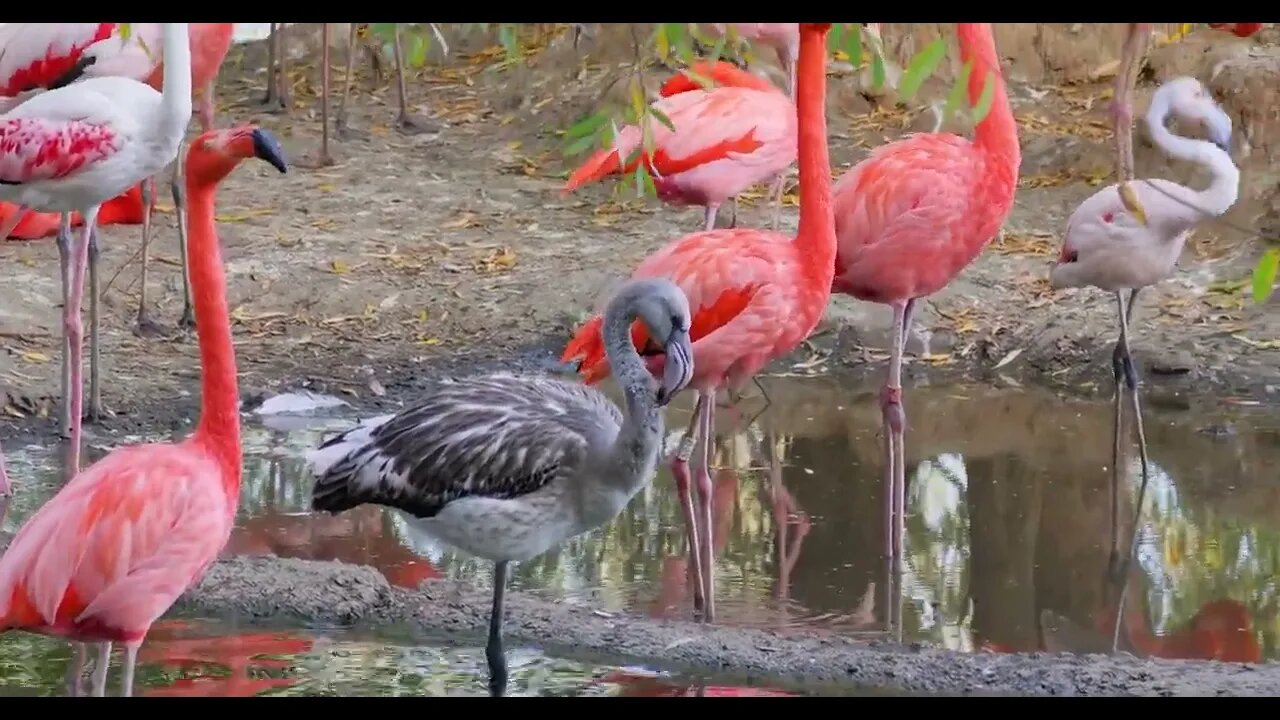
(73, 148)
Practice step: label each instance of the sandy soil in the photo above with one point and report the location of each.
(455, 246)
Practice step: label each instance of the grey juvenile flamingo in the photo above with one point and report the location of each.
(505, 466)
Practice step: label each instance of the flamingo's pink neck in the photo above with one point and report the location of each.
(997, 134)
(816, 235)
(219, 426)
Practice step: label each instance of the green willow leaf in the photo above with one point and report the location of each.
(580, 145)
(1264, 275)
(662, 118)
(835, 38)
(921, 67)
(959, 91)
(877, 72)
(587, 126)
(983, 105)
(853, 45)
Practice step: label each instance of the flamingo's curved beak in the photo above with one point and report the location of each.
(677, 370)
(266, 147)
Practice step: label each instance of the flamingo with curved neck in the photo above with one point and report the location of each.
(1112, 245)
(114, 549)
(755, 294)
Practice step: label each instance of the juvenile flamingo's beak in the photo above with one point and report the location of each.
(677, 369)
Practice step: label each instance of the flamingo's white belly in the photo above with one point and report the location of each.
(517, 529)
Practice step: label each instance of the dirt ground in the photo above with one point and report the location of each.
(455, 249)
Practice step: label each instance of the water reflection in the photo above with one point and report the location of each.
(1008, 528)
(184, 658)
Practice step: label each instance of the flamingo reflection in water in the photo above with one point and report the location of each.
(361, 536)
(244, 655)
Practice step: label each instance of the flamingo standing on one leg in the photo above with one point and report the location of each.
(755, 294)
(725, 140)
(73, 149)
(913, 215)
(1113, 248)
(122, 540)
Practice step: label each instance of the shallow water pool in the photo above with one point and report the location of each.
(1009, 529)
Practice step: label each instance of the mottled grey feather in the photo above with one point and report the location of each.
(498, 436)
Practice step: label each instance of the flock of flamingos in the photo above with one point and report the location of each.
(505, 466)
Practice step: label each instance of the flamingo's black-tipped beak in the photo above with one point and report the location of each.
(266, 147)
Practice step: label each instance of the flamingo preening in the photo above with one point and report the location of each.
(506, 466)
(724, 140)
(912, 216)
(755, 295)
(122, 540)
(47, 56)
(73, 148)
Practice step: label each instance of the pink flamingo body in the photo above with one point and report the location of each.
(915, 213)
(74, 148)
(755, 295)
(725, 140)
(122, 540)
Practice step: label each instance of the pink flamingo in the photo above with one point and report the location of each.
(47, 56)
(725, 140)
(76, 147)
(122, 540)
(1113, 248)
(755, 295)
(913, 215)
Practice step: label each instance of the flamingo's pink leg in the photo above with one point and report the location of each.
(775, 195)
(95, 341)
(74, 332)
(145, 325)
(64, 266)
(680, 470)
(100, 670)
(894, 423)
(130, 660)
(706, 430)
(711, 216)
(75, 670)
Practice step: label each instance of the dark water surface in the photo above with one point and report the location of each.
(1008, 536)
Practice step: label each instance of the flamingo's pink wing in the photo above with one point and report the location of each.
(726, 123)
(119, 543)
(899, 216)
(735, 281)
(34, 55)
(34, 149)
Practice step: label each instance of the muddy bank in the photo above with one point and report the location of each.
(285, 591)
(272, 589)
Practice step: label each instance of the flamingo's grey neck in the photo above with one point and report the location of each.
(1225, 186)
(635, 451)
